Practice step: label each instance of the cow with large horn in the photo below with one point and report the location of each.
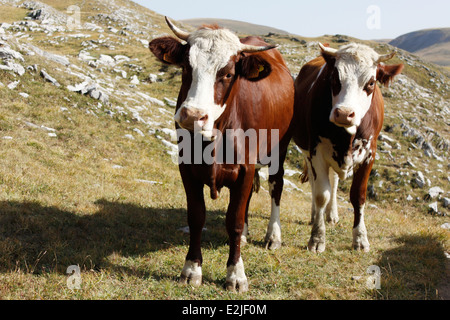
(242, 86)
(339, 115)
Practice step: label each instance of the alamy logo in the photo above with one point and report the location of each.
(234, 146)
(74, 281)
(374, 20)
(74, 18)
(374, 279)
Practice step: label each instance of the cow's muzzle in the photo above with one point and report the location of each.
(195, 120)
(344, 117)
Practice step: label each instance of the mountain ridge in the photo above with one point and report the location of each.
(430, 44)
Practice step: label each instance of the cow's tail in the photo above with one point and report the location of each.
(304, 175)
(256, 182)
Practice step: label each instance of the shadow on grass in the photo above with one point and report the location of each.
(39, 239)
(414, 269)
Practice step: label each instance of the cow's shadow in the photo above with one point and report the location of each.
(414, 269)
(38, 239)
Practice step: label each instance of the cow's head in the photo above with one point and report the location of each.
(353, 80)
(211, 59)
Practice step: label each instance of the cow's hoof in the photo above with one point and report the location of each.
(360, 241)
(236, 279)
(365, 247)
(333, 220)
(191, 274)
(316, 245)
(239, 286)
(193, 280)
(273, 245)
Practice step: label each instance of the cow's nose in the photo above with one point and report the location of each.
(191, 117)
(344, 116)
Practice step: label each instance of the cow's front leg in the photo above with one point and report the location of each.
(332, 211)
(235, 220)
(192, 270)
(245, 232)
(321, 192)
(358, 200)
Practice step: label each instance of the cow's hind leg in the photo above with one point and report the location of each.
(321, 192)
(276, 183)
(273, 235)
(235, 221)
(192, 270)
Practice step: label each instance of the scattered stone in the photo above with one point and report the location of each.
(170, 103)
(433, 207)
(49, 78)
(446, 226)
(13, 85)
(434, 192)
(419, 180)
(6, 53)
(135, 80)
(121, 58)
(24, 95)
(150, 99)
(92, 89)
(16, 68)
(50, 56)
(152, 78)
(446, 202)
(106, 60)
(139, 132)
(148, 181)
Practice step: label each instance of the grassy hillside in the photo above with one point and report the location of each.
(87, 176)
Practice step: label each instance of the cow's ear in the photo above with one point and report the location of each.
(386, 73)
(168, 50)
(254, 67)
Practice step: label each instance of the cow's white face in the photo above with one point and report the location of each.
(212, 60)
(210, 51)
(353, 83)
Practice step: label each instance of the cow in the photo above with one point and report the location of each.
(228, 84)
(339, 112)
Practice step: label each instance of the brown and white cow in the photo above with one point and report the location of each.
(228, 84)
(339, 115)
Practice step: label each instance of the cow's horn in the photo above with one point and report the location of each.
(183, 35)
(327, 50)
(386, 57)
(249, 48)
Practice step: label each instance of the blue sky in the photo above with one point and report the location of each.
(363, 19)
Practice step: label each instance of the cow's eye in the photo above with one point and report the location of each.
(370, 86)
(229, 76)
